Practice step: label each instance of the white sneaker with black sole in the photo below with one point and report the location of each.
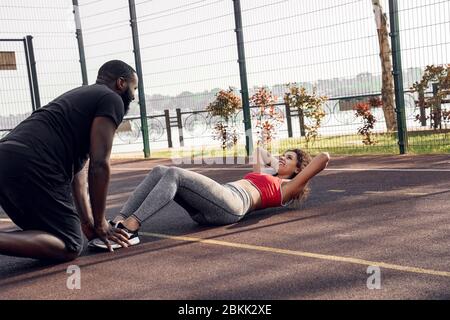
(133, 238)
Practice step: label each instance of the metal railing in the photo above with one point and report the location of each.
(285, 41)
(339, 122)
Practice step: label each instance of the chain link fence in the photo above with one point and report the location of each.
(189, 52)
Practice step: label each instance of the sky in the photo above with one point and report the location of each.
(190, 45)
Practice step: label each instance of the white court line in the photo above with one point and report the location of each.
(389, 170)
(192, 169)
(337, 169)
(384, 192)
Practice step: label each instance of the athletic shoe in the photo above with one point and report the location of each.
(133, 238)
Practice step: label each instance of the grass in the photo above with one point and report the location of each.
(419, 142)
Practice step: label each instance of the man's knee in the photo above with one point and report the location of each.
(70, 256)
(72, 250)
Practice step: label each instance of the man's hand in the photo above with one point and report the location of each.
(88, 230)
(106, 232)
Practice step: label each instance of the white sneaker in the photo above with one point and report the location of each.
(133, 238)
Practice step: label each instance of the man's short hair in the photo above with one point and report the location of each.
(115, 69)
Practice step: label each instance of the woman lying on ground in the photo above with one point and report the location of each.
(212, 203)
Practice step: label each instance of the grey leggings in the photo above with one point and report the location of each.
(206, 201)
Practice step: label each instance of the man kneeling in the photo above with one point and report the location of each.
(41, 169)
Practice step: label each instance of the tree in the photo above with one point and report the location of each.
(363, 110)
(225, 106)
(308, 105)
(268, 117)
(387, 87)
(439, 76)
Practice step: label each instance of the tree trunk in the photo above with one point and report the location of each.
(387, 89)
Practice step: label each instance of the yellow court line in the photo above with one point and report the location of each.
(302, 254)
(416, 193)
(402, 193)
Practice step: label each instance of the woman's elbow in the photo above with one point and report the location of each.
(326, 156)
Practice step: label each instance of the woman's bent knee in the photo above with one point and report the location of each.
(160, 168)
(172, 171)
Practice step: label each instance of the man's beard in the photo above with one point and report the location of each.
(127, 97)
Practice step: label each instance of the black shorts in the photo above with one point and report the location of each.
(37, 198)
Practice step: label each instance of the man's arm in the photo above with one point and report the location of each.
(102, 135)
(81, 199)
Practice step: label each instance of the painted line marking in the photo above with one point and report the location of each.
(416, 193)
(389, 169)
(302, 254)
(336, 191)
(296, 253)
(249, 169)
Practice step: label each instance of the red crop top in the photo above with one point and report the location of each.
(269, 187)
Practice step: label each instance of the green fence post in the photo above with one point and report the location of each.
(398, 77)
(31, 63)
(79, 34)
(137, 58)
(243, 76)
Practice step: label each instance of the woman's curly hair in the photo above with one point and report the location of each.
(303, 159)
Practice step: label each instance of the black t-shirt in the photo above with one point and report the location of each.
(60, 131)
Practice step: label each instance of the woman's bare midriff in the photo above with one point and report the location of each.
(252, 191)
